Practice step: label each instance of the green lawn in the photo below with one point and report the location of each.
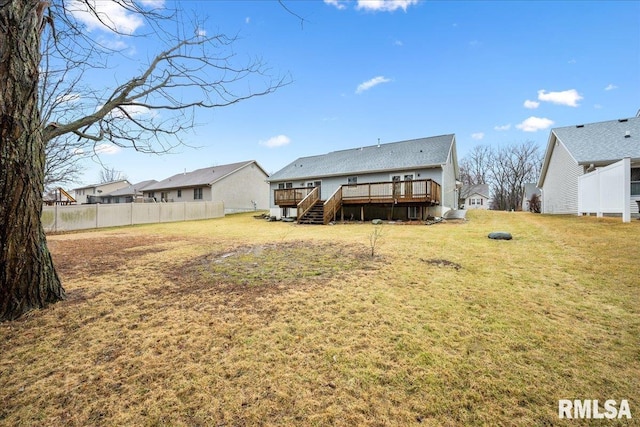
(241, 322)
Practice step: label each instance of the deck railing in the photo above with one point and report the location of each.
(307, 203)
(332, 205)
(425, 190)
(290, 196)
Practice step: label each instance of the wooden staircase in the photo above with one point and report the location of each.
(315, 215)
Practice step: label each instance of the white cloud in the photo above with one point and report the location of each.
(107, 149)
(532, 105)
(502, 127)
(611, 87)
(247, 20)
(567, 97)
(111, 16)
(477, 135)
(337, 3)
(130, 110)
(371, 83)
(374, 5)
(157, 4)
(69, 98)
(385, 5)
(276, 141)
(398, 43)
(534, 124)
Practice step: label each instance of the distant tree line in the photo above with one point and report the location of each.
(506, 169)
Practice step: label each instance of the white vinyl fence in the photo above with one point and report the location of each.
(606, 190)
(82, 217)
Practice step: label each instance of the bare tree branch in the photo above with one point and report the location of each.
(148, 112)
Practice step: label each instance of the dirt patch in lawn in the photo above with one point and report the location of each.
(90, 256)
(252, 271)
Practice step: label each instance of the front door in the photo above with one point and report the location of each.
(316, 184)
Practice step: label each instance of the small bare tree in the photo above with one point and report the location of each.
(110, 175)
(535, 204)
(374, 239)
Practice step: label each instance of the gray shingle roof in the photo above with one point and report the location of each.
(199, 177)
(132, 189)
(469, 190)
(415, 153)
(602, 142)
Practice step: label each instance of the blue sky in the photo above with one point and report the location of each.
(490, 72)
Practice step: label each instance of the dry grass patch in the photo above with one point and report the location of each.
(239, 322)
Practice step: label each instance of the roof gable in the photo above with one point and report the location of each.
(415, 153)
(102, 184)
(132, 189)
(602, 142)
(200, 177)
(599, 143)
(469, 190)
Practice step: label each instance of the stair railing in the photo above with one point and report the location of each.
(307, 203)
(332, 205)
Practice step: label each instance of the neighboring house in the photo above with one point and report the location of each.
(241, 186)
(400, 180)
(573, 151)
(475, 196)
(129, 194)
(528, 191)
(93, 193)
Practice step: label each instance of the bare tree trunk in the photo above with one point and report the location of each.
(28, 279)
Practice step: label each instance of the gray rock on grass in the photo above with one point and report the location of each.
(500, 235)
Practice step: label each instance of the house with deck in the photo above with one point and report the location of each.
(592, 168)
(129, 194)
(405, 180)
(93, 193)
(241, 186)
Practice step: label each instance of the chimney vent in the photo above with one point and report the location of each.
(627, 134)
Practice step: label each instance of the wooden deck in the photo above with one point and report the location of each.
(424, 192)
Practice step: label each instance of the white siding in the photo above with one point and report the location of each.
(448, 183)
(484, 205)
(560, 188)
(239, 190)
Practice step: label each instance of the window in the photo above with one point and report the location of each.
(164, 196)
(352, 180)
(283, 185)
(179, 193)
(197, 194)
(635, 181)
